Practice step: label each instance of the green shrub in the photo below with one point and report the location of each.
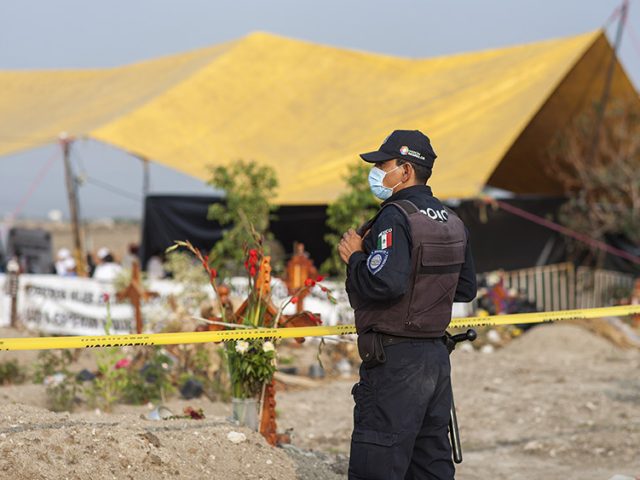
(106, 388)
(249, 190)
(150, 384)
(63, 396)
(50, 362)
(11, 373)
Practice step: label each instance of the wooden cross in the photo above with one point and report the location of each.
(268, 426)
(299, 268)
(136, 293)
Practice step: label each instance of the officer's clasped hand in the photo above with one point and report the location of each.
(351, 242)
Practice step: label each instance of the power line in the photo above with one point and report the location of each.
(36, 182)
(99, 183)
(635, 41)
(564, 230)
(110, 188)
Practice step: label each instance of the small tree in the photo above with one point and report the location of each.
(603, 185)
(350, 210)
(249, 187)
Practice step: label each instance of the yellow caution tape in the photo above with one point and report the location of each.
(45, 343)
(542, 317)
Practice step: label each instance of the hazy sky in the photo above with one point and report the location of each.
(74, 33)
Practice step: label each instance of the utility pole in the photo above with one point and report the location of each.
(146, 185)
(11, 286)
(72, 194)
(145, 178)
(604, 99)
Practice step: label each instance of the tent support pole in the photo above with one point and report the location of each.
(65, 143)
(604, 99)
(145, 176)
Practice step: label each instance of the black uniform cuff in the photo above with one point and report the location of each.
(356, 257)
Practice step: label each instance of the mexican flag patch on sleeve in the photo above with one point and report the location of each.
(385, 239)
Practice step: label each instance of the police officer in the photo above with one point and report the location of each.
(405, 268)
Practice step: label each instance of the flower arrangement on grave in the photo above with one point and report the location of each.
(252, 362)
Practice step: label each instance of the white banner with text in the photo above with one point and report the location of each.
(76, 306)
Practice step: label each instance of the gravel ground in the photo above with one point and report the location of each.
(557, 403)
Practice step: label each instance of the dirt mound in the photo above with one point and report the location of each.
(563, 339)
(38, 444)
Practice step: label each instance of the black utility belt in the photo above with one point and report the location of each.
(388, 339)
(371, 345)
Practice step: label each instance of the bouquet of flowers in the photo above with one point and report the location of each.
(252, 362)
(251, 365)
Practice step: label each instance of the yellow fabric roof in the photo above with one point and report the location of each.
(308, 110)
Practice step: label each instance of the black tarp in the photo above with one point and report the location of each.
(614, 262)
(502, 240)
(499, 239)
(177, 217)
(172, 217)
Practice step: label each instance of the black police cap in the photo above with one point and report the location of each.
(410, 145)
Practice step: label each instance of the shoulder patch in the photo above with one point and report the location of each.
(385, 239)
(377, 260)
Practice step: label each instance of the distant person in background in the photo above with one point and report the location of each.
(22, 261)
(91, 265)
(62, 255)
(155, 267)
(3, 261)
(131, 256)
(70, 267)
(107, 269)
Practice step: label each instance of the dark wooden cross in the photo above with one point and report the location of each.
(135, 293)
(298, 269)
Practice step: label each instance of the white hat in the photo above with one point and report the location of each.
(103, 252)
(64, 253)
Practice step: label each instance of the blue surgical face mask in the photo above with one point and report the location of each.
(376, 177)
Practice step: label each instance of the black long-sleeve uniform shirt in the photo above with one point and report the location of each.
(384, 276)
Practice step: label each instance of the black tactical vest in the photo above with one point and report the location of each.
(437, 256)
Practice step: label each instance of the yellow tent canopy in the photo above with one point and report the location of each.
(308, 110)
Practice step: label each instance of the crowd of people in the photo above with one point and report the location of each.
(103, 266)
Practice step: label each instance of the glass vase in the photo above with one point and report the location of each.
(245, 412)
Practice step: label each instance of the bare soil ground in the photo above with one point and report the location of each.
(557, 403)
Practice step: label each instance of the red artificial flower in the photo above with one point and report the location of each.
(309, 282)
(213, 274)
(251, 262)
(252, 271)
(294, 300)
(194, 414)
(105, 297)
(253, 252)
(319, 278)
(324, 289)
(122, 363)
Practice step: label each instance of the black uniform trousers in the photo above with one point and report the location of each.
(401, 416)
